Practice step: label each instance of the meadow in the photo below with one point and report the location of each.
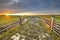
(30, 28)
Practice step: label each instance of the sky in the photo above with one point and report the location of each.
(30, 6)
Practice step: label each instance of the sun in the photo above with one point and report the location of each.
(7, 16)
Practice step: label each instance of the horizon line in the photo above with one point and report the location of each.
(28, 13)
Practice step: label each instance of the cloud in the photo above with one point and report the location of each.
(30, 5)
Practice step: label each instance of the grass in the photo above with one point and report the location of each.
(4, 21)
(54, 36)
(57, 19)
(9, 33)
(51, 32)
(45, 25)
(12, 31)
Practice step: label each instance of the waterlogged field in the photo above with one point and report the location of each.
(28, 28)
